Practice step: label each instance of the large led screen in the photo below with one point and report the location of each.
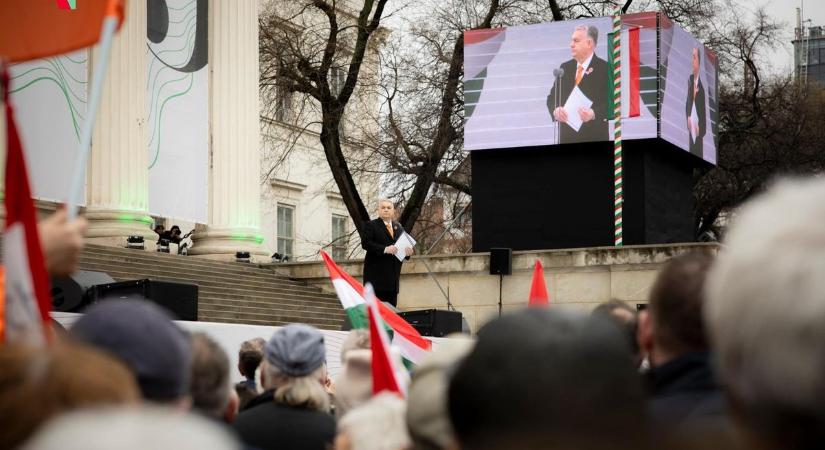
(688, 74)
(549, 83)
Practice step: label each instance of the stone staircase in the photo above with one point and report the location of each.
(227, 291)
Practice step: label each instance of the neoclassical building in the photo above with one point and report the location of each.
(178, 138)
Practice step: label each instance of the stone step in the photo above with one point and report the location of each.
(266, 304)
(173, 259)
(274, 286)
(221, 289)
(270, 311)
(194, 268)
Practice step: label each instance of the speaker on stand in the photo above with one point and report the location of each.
(501, 263)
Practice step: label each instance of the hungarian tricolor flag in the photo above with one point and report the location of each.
(351, 294)
(538, 289)
(384, 369)
(26, 300)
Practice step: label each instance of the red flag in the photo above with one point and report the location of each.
(383, 368)
(633, 47)
(31, 29)
(27, 298)
(538, 290)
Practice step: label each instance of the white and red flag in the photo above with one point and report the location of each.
(26, 300)
(350, 292)
(384, 370)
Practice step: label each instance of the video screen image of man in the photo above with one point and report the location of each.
(695, 108)
(580, 104)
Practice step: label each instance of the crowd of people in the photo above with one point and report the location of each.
(729, 354)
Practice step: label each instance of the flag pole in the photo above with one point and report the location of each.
(618, 194)
(107, 34)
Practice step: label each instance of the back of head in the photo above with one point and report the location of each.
(626, 318)
(132, 429)
(143, 337)
(250, 356)
(766, 311)
(37, 384)
(294, 366)
(358, 338)
(209, 383)
(538, 376)
(378, 424)
(428, 421)
(676, 303)
(353, 386)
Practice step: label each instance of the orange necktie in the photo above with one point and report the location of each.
(389, 229)
(579, 70)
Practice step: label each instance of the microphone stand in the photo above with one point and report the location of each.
(557, 73)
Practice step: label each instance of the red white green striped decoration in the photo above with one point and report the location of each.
(616, 57)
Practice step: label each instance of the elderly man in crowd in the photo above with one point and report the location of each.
(766, 316)
(298, 416)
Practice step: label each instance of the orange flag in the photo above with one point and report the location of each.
(31, 29)
(538, 290)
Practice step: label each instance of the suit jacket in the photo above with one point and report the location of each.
(696, 148)
(381, 269)
(594, 86)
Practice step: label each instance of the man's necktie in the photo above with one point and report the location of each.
(389, 229)
(579, 71)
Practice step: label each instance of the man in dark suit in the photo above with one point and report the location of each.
(589, 73)
(695, 97)
(381, 267)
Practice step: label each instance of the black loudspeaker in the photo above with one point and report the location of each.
(433, 322)
(181, 299)
(70, 294)
(501, 261)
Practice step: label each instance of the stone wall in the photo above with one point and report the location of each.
(576, 278)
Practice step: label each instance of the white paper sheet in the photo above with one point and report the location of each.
(404, 242)
(694, 120)
(576, 100)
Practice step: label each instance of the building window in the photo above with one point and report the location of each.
(286, 227)
(283, 97)
(340, 238)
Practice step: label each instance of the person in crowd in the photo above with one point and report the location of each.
(37, 384)
(627, 318)
(298, 417)
(353, 386)
(159, 230)
(132, 429)
(381, 267)
(546, 379)
(61, 241)
(428, 422)
(765, 313)
(378, 424)
(142, 336)
(681, 382)
(249, 358)
(209, 384)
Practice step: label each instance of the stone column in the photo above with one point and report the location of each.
(117, 189)
(234, 190)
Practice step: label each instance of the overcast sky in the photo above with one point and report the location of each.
(785, 11)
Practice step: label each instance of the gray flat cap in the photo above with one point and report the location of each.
(296, 350)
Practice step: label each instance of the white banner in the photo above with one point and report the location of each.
(178, 103)
(49, 100)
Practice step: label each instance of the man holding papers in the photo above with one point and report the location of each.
(695, 108)
(387, 245)
(583, 91)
